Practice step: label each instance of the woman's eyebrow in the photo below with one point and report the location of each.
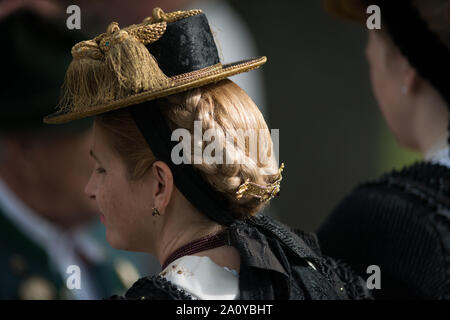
(91, 153)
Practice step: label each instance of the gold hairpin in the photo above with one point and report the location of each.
(264, 193)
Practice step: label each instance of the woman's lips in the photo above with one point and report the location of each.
(102, 218)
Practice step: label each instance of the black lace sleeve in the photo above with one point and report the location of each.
(154, 288)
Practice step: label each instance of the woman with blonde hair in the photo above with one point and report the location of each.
(190, 199)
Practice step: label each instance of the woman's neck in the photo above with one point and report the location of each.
(181, 224)
(440, 145)
(223, 255)
(431, 122)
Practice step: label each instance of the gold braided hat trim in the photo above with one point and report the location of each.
(264, 193)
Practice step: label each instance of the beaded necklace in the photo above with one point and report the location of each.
(202, 244)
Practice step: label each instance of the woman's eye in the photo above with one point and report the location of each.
(100, 170)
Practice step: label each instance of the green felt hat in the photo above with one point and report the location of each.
(35, 54)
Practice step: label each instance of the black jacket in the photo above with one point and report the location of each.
(401, 223)
(276, 263)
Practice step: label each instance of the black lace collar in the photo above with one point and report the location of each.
(256, 240)
(426, 179)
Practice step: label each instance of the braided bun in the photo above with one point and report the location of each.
(229, 111)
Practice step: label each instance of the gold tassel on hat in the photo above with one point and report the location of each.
(87, 82)
(135, 68)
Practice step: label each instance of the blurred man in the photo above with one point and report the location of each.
(44, 251)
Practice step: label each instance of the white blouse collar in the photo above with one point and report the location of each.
(203, 278)
(441, 157)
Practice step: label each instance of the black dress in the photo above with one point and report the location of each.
(401, 223)
(276, 263)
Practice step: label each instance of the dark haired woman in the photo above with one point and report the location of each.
(401, 221)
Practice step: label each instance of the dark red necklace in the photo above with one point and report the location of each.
(205, 243)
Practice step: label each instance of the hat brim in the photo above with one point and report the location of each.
(179, 84)
(349, 10)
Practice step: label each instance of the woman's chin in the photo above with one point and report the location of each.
(114, 241)
(121, 242)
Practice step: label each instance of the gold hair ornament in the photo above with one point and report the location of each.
(264, 193)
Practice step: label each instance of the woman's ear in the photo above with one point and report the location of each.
(411, 79)
(408, 75)
(163, 185)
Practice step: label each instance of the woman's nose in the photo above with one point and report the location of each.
(88, 190)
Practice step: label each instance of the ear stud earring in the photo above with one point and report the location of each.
(155, 212)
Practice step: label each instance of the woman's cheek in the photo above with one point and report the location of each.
(110, 204)
(102, 200)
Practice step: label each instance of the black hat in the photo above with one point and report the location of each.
(411, 34)
(165, 54)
